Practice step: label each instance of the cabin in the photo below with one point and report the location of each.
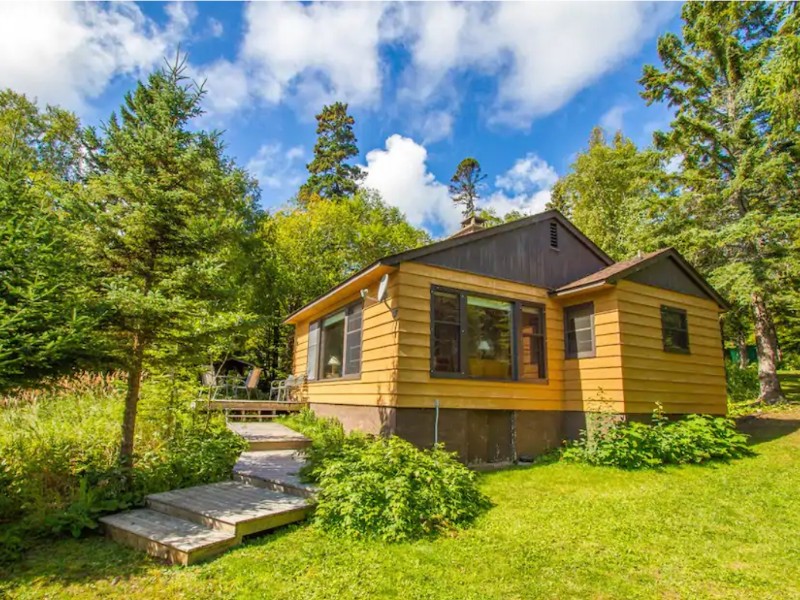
(498, 341)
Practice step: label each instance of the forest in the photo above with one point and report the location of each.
(139, 249)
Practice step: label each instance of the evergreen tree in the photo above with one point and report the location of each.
(465, 184)
(609, 192)
(738, 205)
(330, 176)
(44, 327)
(164, 212)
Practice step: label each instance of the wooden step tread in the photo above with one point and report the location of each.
(231, 506)
(274, 469)
(165, 536)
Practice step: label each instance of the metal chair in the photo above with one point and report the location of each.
(250, 385)
(283, 390)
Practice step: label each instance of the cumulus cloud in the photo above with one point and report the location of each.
(436, 126)
(279, 171)
(525, 187)
(400, 173)
(541, 53)
(67, 54)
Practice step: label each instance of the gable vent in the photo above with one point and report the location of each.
(553, 234)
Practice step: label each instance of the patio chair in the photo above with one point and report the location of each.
(283, 390)
(250, 386)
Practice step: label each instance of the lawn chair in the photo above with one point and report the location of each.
(284, 390)
(250, 386)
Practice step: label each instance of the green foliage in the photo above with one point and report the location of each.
(391, 490)
(742, 383)
(331, 177)
(374, 487)
(59, 466)
(45, 323)
(634, 445)
(465, 184)
(610, 194)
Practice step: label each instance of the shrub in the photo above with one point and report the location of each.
(633, 445)
(389, 489)
(742, 384)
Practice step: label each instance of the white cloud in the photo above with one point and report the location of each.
(400, 173)
(436, 126)
(613, 119)
(530, 172)
(542, 53)
(227, 86)
(316, 52)
(525, 187)
(279, 171)
(67, 54)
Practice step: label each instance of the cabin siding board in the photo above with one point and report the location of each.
(666, 274)
(523, 255)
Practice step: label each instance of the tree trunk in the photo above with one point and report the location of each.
(741, 344)
(767, 347)
(131, 403)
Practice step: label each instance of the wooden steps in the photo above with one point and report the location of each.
(193, 524)
(270, 436)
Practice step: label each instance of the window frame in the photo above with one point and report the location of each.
(516, 336)
(682, 312)
(320, 345)
(578, 355)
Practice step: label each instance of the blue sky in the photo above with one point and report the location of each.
(516, 85)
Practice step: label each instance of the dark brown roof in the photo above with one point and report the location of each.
(624, 268)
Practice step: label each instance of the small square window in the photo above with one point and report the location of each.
(674, 329)
(579, 331)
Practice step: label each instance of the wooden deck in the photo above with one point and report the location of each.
(275, 470)
(251, 405)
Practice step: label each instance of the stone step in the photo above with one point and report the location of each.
(275, 470)
(270, 436)
(231, 506)
(167, 537)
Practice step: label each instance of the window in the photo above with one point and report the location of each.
(674, 329)
(485, 337)
(532, 350)
(334, 345)
(553, 234)
(579, 330)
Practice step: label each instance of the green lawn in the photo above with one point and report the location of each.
(556, 531)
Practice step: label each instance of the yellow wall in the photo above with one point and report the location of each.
(416, 387)
(378, 381)
(684, 383)
(630, 367)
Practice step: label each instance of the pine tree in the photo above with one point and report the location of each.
(739, 211)
(164, 208)
(465, 184)
(330, 176)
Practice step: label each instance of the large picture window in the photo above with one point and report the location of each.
(579, 330)
(334, 345)
(485, 337)
(674, 329)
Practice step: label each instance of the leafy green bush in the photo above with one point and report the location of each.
(633, 445)
(742, 384)
(58, 457)
(389, 489)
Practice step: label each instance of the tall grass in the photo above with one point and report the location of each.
(59, 453)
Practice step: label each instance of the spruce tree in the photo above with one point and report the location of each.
(330, 176)
(163, 208)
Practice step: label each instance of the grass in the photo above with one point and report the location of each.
(556, 531)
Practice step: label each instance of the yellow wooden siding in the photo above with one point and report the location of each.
(416, 387)
(377, 384)
(590, 382)
(683, 383)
